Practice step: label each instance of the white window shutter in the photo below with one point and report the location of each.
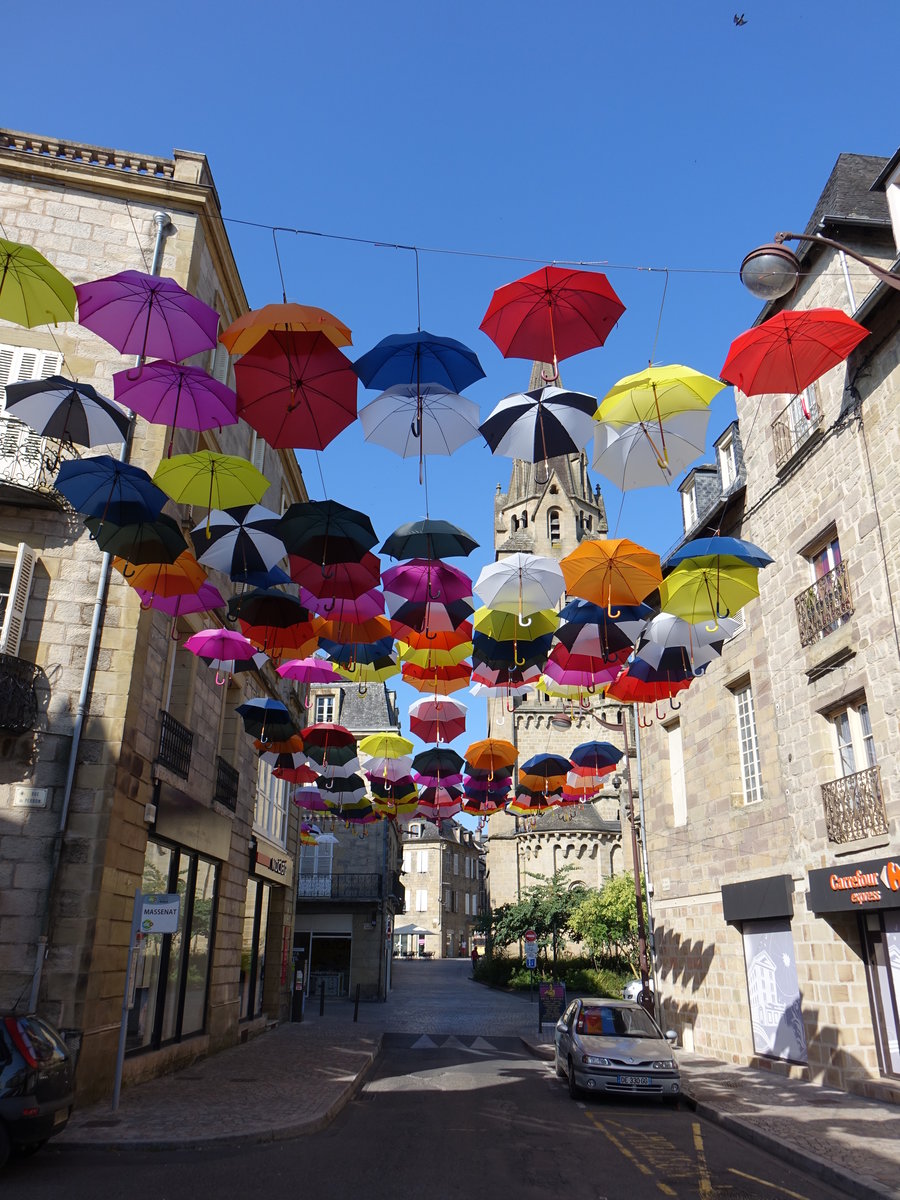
(18, 363)
(20, 590)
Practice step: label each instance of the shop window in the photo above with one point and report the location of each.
(773, 990)
(751, 777)
(881, 932)
(553, 524)
(253, 948)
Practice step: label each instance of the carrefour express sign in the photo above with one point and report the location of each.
(855, 886)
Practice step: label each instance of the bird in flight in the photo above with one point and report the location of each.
(740, 20)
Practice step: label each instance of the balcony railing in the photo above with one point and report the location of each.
(28, 460)
(793, 428)
(175, 745)
(825, 606)
(18, 701)
(344, 886)
(854, 807)
(227, 782)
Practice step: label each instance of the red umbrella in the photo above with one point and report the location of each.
(343, 580)
(296, 389)
(791, 350)
(552, 314)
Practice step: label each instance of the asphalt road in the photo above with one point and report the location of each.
(442, 1117)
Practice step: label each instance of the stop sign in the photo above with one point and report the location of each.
(530, 935)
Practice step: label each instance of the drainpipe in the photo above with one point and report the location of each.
(648, 884)
(163, 228)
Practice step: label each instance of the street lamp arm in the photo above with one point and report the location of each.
(887, 277)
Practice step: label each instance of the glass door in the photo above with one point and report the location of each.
(882, 939)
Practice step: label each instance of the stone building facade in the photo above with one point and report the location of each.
(773, 794)
(443, 877)
(122, 764)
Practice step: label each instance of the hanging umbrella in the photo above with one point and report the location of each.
(169, 393)
(444, 640)
(791, 350)
(354, 608)
(412, 618)
(206, 598)
(551, 314)
(376, 629)
(506, 626)
(350, 654)
(147, 315)
(225, 644)
(181, 577)
(67, 411)
(274, 577)
(239, 541)
(701, 552)
(611, 571)
(300, 774)
(429, 539)
(604, 640)
(432, 657)
(326, 531)
(139, 540)
(629, 621)
(439, 762)
(325, 734)
(385, 745)
(413, 421)
(437, 720)
(600, 758)
(363, 673)
(297, 390)
(267, 607)
(699, 644)
(438, 681)
(384, 768)
(244, 333)
(711, 592)
(539, 425)
(32, 291)
(417, 358)
(491, 754)
(104, 487)
(580, 670)
(266, 719)
(226, 667)
(521, 584)
(641, 683)
(308, 670)
(424, 579)
(633, 456)
(338, 580)
(211, 480)
(514, 654)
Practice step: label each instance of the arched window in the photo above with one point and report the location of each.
(514, 523)
(553, 524)
(525, 520)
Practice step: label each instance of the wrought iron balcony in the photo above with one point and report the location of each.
(175, 745)
(792, 428)
(18, 700)
(825, 606)
(344, 886)
(854, 807)
(227, 783)
(27, 460)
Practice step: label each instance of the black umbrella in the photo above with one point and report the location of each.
(239, 541)
(138, 538)
(68, 411)
(266, 719)
(326, 532)
(429, 539)
(439, 760)
(542, 424)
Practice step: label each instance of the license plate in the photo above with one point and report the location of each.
(60, 1116)
(634, 1080)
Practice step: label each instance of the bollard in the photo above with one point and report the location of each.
(356, 1005)
(322, 998)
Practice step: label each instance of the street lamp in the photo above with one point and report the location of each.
(772, 271)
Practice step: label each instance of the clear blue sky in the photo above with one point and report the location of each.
(643, 135)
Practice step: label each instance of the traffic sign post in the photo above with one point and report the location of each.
(530, 958)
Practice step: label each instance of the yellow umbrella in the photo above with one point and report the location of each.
(243, 334)
(611, 571)
(434, 657)
(710, 592)
(364, 673)
(32, 291)
(211, 480)
(507, 627)
(385, 745)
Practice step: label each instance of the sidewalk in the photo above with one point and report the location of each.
(300, 1076)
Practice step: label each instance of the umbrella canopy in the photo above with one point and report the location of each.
(225, 645)
(385, 745)
(169, 393)
(601, 758)
(268, 607)
(239, 541)
(391, 769)
(243, 334)
(522, 584)
(211, 480)
(552, 313)
(629, 621)
(429, 539)
(709, 593)
(429, 656)
(443, 640)
(424, 579)
(791, 350)
(511, 655)
(326, 531)
(206, 598)
(104, 487)
(655, 394)
(32, 291)
(541, 424)
(506, 626)
(641, 683)
(266, 719)
(354, 608)
(338, 580)
(417, 358)
(638, 455)
(491, 754)
(412, 618)
(308, 670)
(437, 720)
(545, 765)
(699, 643)
(605, 640)
(611, 571)
(181, 577)
(67, 410)
(438, 763)
(296, 389)
(438, 681)
(139, 540)
(413, 420)
(696, 552)
(364, 673)
(147, 315)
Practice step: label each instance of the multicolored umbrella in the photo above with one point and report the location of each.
(521, 584)
(32, 291)
(67, 411)
(437, 720)
(243, 334)
(538, 425)
(207, 598)
(698, 643)
(698, 551)
(437, 681)
(338, 580)
(789, 351)
(239, 541)
(147, 315)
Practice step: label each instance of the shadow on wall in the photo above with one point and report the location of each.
(681, 961)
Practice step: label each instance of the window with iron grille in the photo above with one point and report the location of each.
(751, 777)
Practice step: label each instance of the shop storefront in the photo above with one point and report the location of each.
(268, 885)
(871, 891)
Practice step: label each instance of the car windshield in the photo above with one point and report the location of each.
(609, 1021)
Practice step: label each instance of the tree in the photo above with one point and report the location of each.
(607, 920)
(546, 907)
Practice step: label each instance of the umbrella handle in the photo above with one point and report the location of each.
(586, 704)
(126, 574)
(175, 635)
(221, 680)
(433, 595)
(363, 689)
(674, 707)
(510, 707)
(415, 426)
(430, 636)
(325, 573)
(146, 605)
(659, 715)
(613, 614)
(524, 621)
(591, 689)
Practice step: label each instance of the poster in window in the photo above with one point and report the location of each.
(775, 1009)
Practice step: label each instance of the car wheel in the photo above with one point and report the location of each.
(574, 1089)
(4, 1145)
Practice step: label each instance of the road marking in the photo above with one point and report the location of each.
(424, 1043)
(626, 1153)
(765, 1183)
(705, 1189)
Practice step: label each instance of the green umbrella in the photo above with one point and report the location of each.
(32, 291)
(210, 480)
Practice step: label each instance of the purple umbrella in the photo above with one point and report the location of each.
(168, 393)
(205, 599)
(147, 315)
(353, 608)
(423, 579)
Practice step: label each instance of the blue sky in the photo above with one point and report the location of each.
(640, 135)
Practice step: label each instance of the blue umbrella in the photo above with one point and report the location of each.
(714, 547)
(268, 720)
(417, 358)
(348, 653)
(600, 757)
(106, 488)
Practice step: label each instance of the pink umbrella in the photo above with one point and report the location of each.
(437, 719)
(308, 798)
(437, 780)
(423, 579)
(225, 644)
(147, 315)
(205, 599)
(168, 393)
(355, 609)
(309, 670)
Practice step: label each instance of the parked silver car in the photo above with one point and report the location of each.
(615, 1046)
(632, 990)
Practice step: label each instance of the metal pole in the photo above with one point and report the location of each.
(123, 1026)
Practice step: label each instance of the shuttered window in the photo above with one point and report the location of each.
(15, 601)
(18, 363)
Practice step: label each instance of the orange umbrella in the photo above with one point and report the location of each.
(611, 571)
(291, 745)
(491, 754)
(363, 632)
(242, 334)
(183, 577)
(444, 640)
(438, 681)
(540, 783)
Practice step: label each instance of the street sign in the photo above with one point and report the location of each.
(530, 961)
(159, 913)
(530, 936)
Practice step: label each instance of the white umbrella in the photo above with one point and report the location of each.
(424, 419)
(699, 643)
(630, 458)
(542, 424)
(522, 583)
(437, 708)
(239, 541)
